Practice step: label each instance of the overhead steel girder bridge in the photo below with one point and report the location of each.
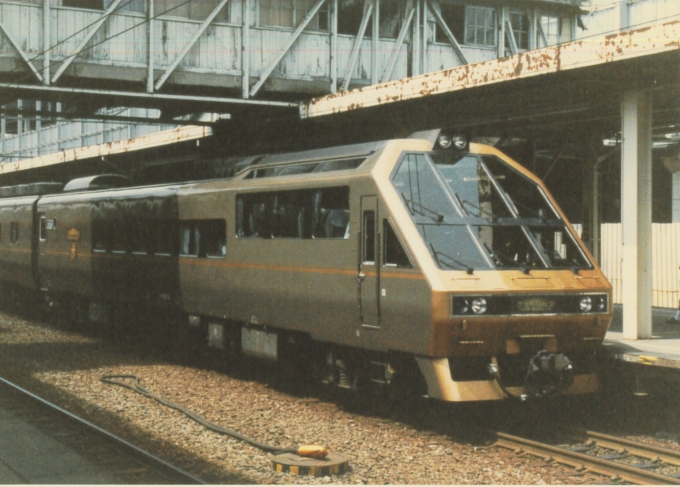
(140, 53)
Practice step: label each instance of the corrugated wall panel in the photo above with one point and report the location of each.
(665, 261)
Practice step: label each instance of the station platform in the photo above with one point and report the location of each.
(662, 350)
(29, 456)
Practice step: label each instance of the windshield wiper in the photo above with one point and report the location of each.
(436, 216)
(436, 254)
(505, 260)
(466, 202)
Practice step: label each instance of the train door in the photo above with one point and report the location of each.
(368, 279)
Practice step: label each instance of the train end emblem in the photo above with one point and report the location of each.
(73, 234)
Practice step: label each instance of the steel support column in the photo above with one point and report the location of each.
(334, 46)
(149, 42)
(636, 214)
(47, 38)
(245, 50)
(375, 41)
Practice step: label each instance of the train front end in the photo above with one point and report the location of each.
(519, 306)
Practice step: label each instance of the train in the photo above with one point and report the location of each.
(428, 263)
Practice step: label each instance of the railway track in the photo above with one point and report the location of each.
(114, 455)
(620, 459)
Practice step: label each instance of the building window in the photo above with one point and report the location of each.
(454, 18)
(89, 4)
(551, 27)
(291, 13)
(520, 29)
(480, 26)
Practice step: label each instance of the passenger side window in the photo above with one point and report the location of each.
(164, 238)
(13, 232)
(118, 237)
(100, 236)
(138, 232)
(301, 214)
(394, 254)
(203, 238)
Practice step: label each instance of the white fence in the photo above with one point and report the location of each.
(665, 261)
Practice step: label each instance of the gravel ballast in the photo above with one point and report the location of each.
(386, 441)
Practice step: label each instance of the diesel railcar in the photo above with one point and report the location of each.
(373, 263)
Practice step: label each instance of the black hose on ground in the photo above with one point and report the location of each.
(311, 451)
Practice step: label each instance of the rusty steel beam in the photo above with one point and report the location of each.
(67, 62)
(206, 23)
(624, 46)
(294, 37)
(21, 52)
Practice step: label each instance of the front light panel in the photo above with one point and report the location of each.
(529, 304)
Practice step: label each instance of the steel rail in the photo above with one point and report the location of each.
(579, 460)
(636, 448)
(162, 465)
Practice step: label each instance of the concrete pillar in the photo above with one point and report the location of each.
(636, 214)
(676, 197)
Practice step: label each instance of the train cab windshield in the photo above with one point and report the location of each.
(477, 212)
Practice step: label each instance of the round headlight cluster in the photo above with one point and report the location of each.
(594, 303)
(470, 306)
(586, 304)
(458, 141)
(478, 306)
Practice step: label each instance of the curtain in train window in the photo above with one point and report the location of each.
(213, 238)
(190, 239)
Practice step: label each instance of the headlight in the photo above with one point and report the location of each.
(586, 304)
(478, 306)
(444, 141)
(461, 307)
(460, 142)
(601, 303)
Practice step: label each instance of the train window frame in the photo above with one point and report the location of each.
(391, 239)
(306, 167)
(0, 233)
(13, 233)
